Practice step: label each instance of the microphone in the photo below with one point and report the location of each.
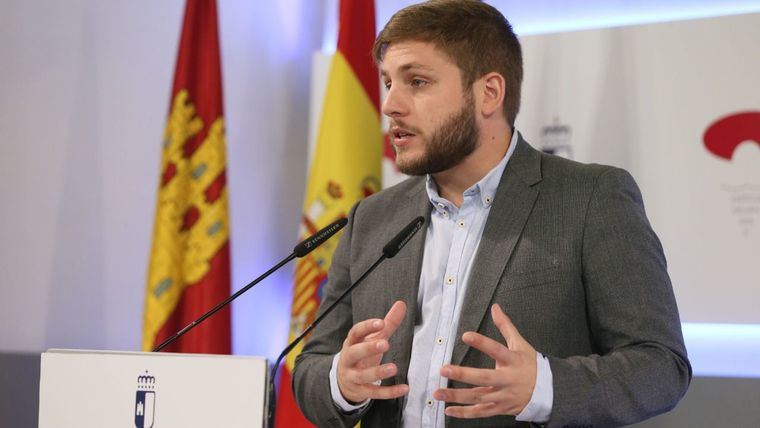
(309, 244)
(397, 243)
(303, 248)
(389, 251)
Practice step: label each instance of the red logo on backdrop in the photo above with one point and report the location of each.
(724, 135)
(721, 139)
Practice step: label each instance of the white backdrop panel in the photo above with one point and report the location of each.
(641, 98)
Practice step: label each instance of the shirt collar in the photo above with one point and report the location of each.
(485, 188)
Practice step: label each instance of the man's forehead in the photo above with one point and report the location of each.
(412, 55)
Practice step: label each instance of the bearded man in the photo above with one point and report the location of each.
(538, 292)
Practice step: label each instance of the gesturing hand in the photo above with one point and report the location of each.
(504, 390)
(359, 362)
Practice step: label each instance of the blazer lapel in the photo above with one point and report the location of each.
(407, 279)
(510, 211)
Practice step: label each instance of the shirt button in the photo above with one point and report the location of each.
(488, 199)
(450, 280)
(430, 403)
(461, 223)
(439, 341)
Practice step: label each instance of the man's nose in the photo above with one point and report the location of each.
(394, 104)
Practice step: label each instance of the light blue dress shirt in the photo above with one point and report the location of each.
(451, 243)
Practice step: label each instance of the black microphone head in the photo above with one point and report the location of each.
(307, 245)
(397, 243)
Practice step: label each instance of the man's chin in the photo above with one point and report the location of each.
(411, 168)
(407, 164)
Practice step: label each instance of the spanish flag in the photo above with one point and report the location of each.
(344, 169)
(189, 269)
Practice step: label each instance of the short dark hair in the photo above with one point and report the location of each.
(476, 36)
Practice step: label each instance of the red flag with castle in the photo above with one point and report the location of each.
(189, 269)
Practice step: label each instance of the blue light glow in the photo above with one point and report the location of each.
(609, 19)
(723, 350)
(330, 32)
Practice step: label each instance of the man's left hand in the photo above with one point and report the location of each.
(504, 390)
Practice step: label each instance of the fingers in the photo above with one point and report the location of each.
(362, 329)
(387, 392)
(505, 326)
(488, 346)
(394, 317)
(376, 328)
(359, 385)
(353, 354)
(363, 392)
(473, 376)
(484, 410)
(477, 395)
(370, 375)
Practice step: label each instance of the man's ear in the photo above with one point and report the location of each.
(492, 90)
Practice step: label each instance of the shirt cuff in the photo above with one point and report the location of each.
(337, 397)
(539, 408)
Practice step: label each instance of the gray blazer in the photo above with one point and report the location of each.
(568, 253)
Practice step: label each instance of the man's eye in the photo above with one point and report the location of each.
(418, 83)
(387, 85)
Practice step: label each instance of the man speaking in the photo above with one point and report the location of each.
(538, 292)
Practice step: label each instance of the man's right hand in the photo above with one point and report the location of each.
(359, 362)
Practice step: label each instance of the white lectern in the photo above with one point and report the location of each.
(160, 390)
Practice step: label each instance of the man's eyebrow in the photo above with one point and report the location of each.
(415, 65)
(407, 67)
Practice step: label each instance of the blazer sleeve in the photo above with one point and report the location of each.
(310, 381)
(641, 368)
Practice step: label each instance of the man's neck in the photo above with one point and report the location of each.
(453, 182)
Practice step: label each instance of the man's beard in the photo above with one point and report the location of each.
(449, 145)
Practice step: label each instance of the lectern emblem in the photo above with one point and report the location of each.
(145, 401)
